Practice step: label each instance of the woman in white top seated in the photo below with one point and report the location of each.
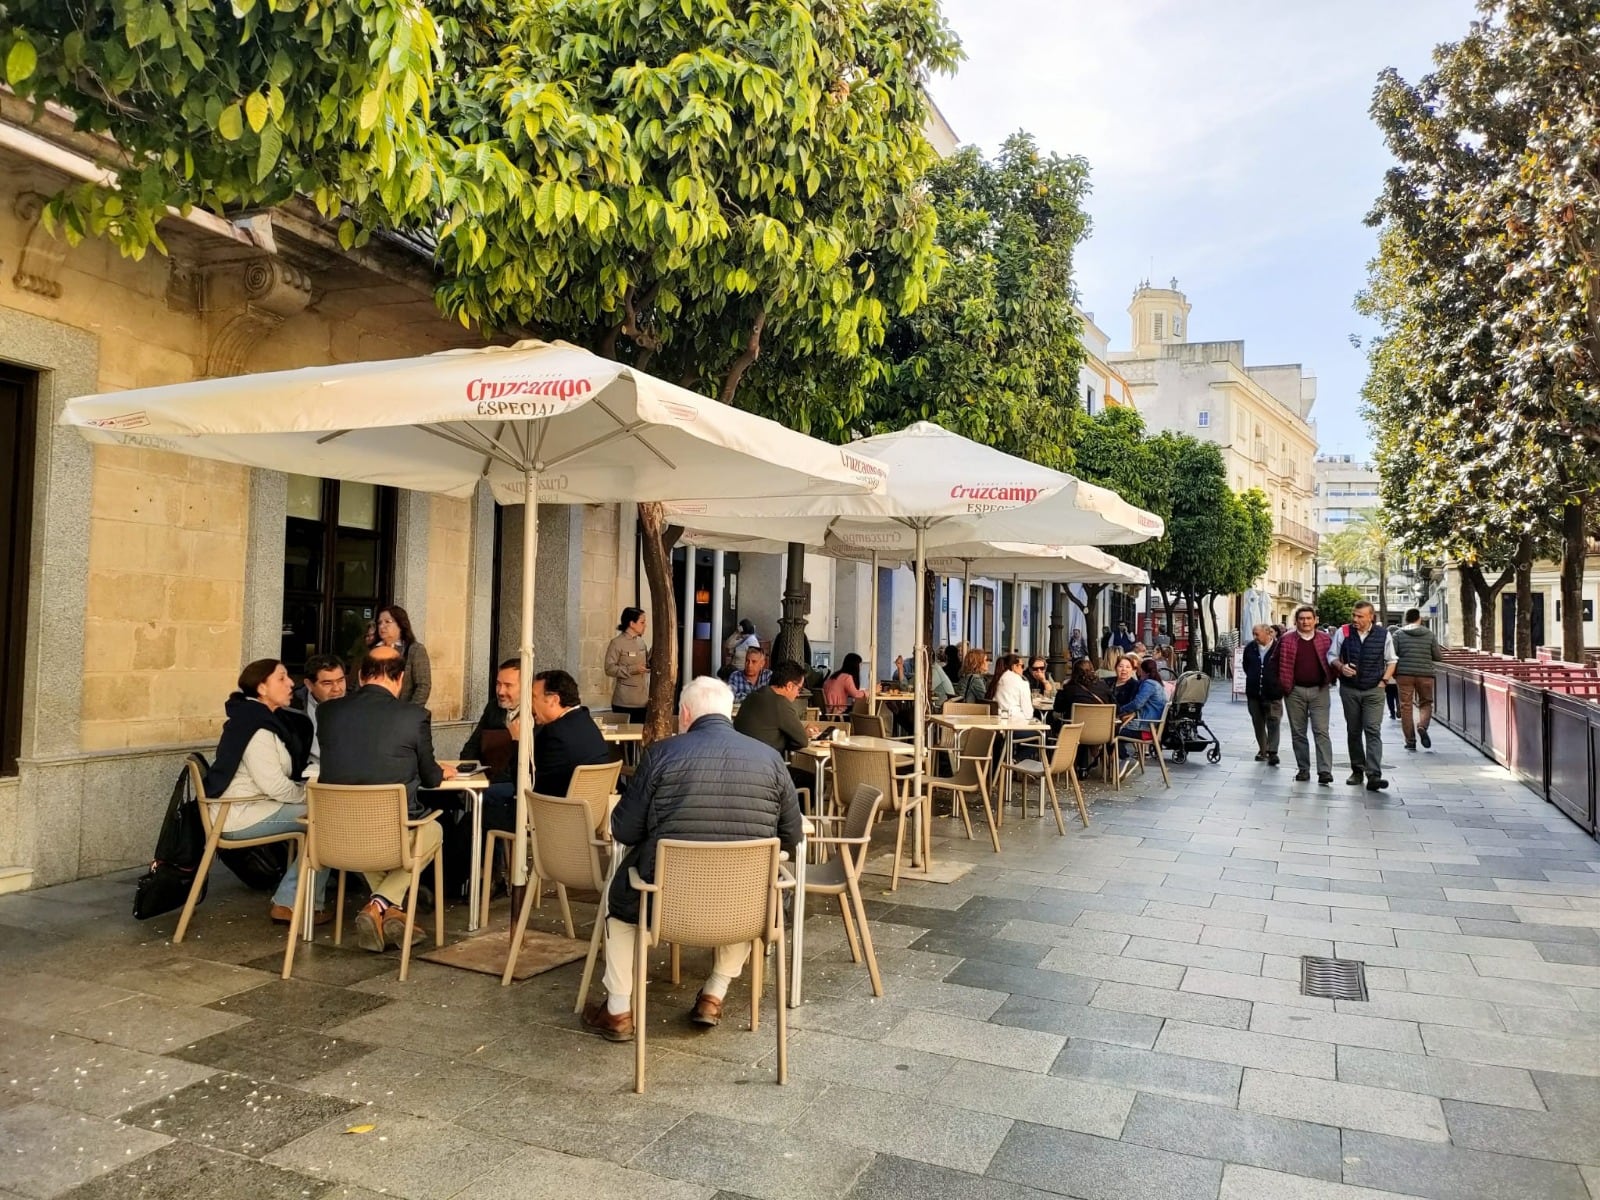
(1009, 689)
(261, 761)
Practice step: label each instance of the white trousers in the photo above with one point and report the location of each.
(622, 937)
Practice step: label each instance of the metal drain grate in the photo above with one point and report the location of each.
(1333, 978)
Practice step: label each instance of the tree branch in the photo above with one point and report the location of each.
(746, 359)
(630, 321)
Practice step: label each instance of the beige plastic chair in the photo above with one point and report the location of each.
(857, 765)
(594, 785)
(1099, 722)
(216, 839)
(365, 827)
(711, 894)
(839, 876)
(1062, 765)
(973, 755)
(1153, 747)
(957, 708)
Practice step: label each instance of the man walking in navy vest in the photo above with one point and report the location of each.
(1364, 656)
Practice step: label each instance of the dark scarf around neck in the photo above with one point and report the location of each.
(246, 718)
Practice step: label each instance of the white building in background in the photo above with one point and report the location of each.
(1259, 416)
(1346, 488)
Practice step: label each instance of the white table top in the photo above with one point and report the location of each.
(825, 749)
(622, 733)
(975, 722)
(465, 783)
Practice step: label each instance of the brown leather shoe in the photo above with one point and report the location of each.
(707, 1011)
(614, 1027)
(394, 927)
(282, 915)
(370, 927)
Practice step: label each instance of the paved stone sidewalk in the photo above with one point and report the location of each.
(1114, 1014)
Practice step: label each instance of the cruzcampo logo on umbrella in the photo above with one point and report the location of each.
(510, 397)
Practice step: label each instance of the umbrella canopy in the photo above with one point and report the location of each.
(540, 418)
(1036, 564)
(954, 489)
(590, 430)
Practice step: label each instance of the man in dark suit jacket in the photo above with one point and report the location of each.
(494, 738)
(372, 736)
(565, 738)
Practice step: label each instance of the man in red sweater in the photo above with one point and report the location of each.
(1305, 676)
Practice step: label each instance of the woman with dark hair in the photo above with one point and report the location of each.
(952, 661)
(260, 762)
(842, 688)
(737, 643)
(1083, 686)
(394, 629)
(628, 663)
(1143, 712)
(1009, 689)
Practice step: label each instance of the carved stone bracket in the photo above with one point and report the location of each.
(266, 291)
(39, 267)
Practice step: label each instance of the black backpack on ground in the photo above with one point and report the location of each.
(179, 847)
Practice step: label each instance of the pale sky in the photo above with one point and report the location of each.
(1229, 145)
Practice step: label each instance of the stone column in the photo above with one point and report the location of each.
(262, 633)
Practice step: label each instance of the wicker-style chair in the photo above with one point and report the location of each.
(594, 784)
(972, 755)
(857, 765)
(212, 822)
(365, 827)
(1147, 741)
(957, 708)
(1099, 730)
(712, 894)
(839, 875)
(1062, 765)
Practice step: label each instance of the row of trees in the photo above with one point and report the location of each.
(1366, 547)
(1484, 386)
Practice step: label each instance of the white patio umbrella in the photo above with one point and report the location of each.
(541, 419)
(943, 489)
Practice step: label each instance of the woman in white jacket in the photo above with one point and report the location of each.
(1009, 689)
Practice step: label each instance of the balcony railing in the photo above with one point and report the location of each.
(1297, 534)
(1293, 589)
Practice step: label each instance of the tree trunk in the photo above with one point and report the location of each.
(930, 621)
(1524, 632)
(1469, 604)
(1216, 630)
(1574, 549)
(791, 643)
(1488, 624)
(1091, 614)
(1191, 660)
(1383, 589)
(660, 720)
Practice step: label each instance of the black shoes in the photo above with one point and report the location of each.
(1377, 783)
(1325, 778)
(1355, 777)
(1302, 776)
(1261, 756)
(1272, 760)
(1411, 746)
(1422, 736)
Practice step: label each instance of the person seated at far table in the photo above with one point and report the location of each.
(565, 737)
(1038, 676)
(771, 715)
(754, 675)
(1083, 686)
(325, 680)
(1143, 712)
(710, 783)
(973, 686)
(842, 688)
(372, 736)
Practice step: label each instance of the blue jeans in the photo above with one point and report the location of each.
(286, 820)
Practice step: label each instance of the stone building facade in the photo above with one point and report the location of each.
(139, 581)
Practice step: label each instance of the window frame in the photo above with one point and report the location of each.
(326, 597)
(16, 544)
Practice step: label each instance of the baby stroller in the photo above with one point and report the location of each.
(1187, 731)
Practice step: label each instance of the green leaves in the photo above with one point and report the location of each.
(231, 123)
(21, 62)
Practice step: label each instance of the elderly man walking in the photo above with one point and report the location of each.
(1416, 650)
(1364, 655)
(708, 784)
(1304, 676)
(1262, 695)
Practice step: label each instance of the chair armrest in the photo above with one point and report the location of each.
(423, 819)
(840, 841)
(826, 817)
(638, 884)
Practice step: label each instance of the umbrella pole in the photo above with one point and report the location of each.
(519, 850)
(966, 599)
(919, 711)
(872, 643)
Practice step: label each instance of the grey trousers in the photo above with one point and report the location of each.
(1265, 715)
(1363, 723)
(1310, 704)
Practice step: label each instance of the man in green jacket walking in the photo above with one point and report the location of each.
(1417, 650)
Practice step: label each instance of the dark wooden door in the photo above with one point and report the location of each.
(17, 431)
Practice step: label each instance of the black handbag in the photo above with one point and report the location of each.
(179, 847)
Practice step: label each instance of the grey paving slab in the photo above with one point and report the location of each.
(731, 1091)
(536, 1174)
(978, 1041)
(300, 1002)
(1236, 1135)
(1449, 1173)
(52, 1149)
(898, 1069)
(1409, 1006)
(1293, 1056)
(88, 1077)
(1071, 1020)
(610, 1126)
(188, 980)
(402, 1155)
(185, 1171)
(1575, 1056)
(147, 1023)
(1263, 989)
(1253, 1183)
(1521, 992)
(1341, 1028)
(893, 1178)
(1024, 981)
(985, 949)
(1057, 1099)
(409, 1081)
(1555, 1136)
(1100, 1169)
(323, 962)
(1184, 1005)
(39, 998)
(272, 1053)
(234, 1113)
(1217, 958)
(1446, 1078)
(1111, 967)
(1345, 1105)
(765, 1163)
(1149, 1071)
(962, 1139)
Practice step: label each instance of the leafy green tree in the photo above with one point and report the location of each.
(994, 353)
(240, 105)
(1335, 602)
(1487, 377)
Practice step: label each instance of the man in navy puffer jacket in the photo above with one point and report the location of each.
(710, 783)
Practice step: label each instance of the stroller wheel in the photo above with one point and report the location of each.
(1180, 755)
(1214, 754)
